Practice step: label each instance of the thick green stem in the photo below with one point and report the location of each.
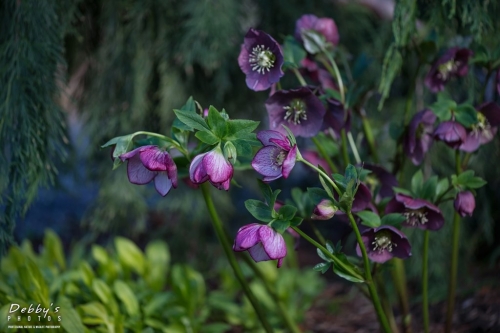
(219, 230)
(368, 278)
(318, 170)
(425, 282)
(334, 71)
(324, 155)
(299, 77)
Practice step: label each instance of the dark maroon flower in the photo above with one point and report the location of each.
(380, 179)
(150, 162)
(451, 132)
(465, 203)
(488, 119)
(419, 213)
(260, 59)
(453, 63)
(324, 26)
(276, 158)
(262, 243)
(298, 109)
(418, 137)
(384, 243)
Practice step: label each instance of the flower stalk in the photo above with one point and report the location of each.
(425, 281)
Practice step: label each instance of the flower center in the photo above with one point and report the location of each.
(415, 217)
(261, 59)
(445, 70)
(383, 242)
(482, 125)
(278, 159)
(295, 112)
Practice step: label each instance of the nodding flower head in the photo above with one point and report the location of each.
(452, 133)
(324, 26)
(384, 243)
(298, 109)
(453, 63)
(261, 60)
(277, 158)
(211, 166)
(482, 132)
(419, 213)
(465, 203)
(419, 136)
(150, 162)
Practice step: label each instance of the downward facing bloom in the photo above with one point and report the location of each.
(150, 162)
(276, 158)
(419, 213)
(298, 109)
(451, 132)
(211, 166)
(418, 137)
(465, 203)
(384, 243)
(453, 63)
(482, 132)
(323, 26)
(262, 243)
(260, 59)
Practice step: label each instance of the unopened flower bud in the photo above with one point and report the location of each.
(465, 203)
(230, 151)
(324, 210)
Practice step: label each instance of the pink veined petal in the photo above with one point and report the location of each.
(283, 144)
(264, 162)
(289, 162)
(380, 257)
(273, 242)
(266, 136)
(218, 169)
(258, 253)
(162, 183)
(197, 173)
(154, 159)
(171, 170)
(132, 153)
(137, 173)
(247, 237)
(268, 179)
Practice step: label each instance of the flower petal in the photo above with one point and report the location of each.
(137, 172)
(273, 242)
(197, 172)
(247, 237)
(266, 136)
(132, 153)
(258, 253)
(162, 183)
(154, 159)
(289, 162)
(218, 169)
(264, 162)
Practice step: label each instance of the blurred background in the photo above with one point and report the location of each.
(74, 74)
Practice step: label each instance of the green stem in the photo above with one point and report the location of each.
(327, 253)
(369, 137)
(334, 71)
(399, 278)
(368, 278)
(452, 284)
(316, 232)
(219, 230)
(425, 282)
(292, 326)
(353, 147)
(387, 305)
(318, 170)
(345, 154)
(165, 138)
(324, 155)
(299, 77)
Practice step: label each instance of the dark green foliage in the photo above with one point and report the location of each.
(31, 125)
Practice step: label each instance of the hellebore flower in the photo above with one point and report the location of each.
(324, 26)
(418, 137)
(335, 117)
(453, 63)
(465, 203)
(150, 162)
(381, 178)
(324, 210)
(298, 109)
(419, 213)
(260, 59)
(211, 166)
(276, 158)
(451, 132)
(262, 243)
(384, 243)
(488, 116)
(319, 75)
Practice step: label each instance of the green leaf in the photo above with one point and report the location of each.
(216, 122)
(280, 225)
(259, 210)
(443, 107)
(428, 191)
(287, 212)
(127, 296)
(317, 194)
(130, 255)
(266, 191)
(343, 273)
(100, 255)
(323, 256)
(417, 181)
(158, 261)
(207, 137)
(402, 190)
(340, 180)
(70, 320)
(103, 292)
(330, 247)
(243, 148)
(467, 180)
(475, 182)
(314, 42)
(322, 267)
(293, 53)
(442, 186)
(350, 173)
(54, 249)
(236, 127)
(466, 115)
(192, 120)
(369, 218)
(394, 219)
(296, 221)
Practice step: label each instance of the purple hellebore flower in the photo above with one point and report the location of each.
(262, 242)
(260, 59)
(335, 117)
(276, 158)
(211, 166)
(150, 162)
(418, 137)
(419, 213)
(488, 116)
(453, 63)
(465, 203)
(451, 132)
(324, 26)
(382, 178)
(324, 210)
(384, 243)
(298, 109)
(318, 75)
